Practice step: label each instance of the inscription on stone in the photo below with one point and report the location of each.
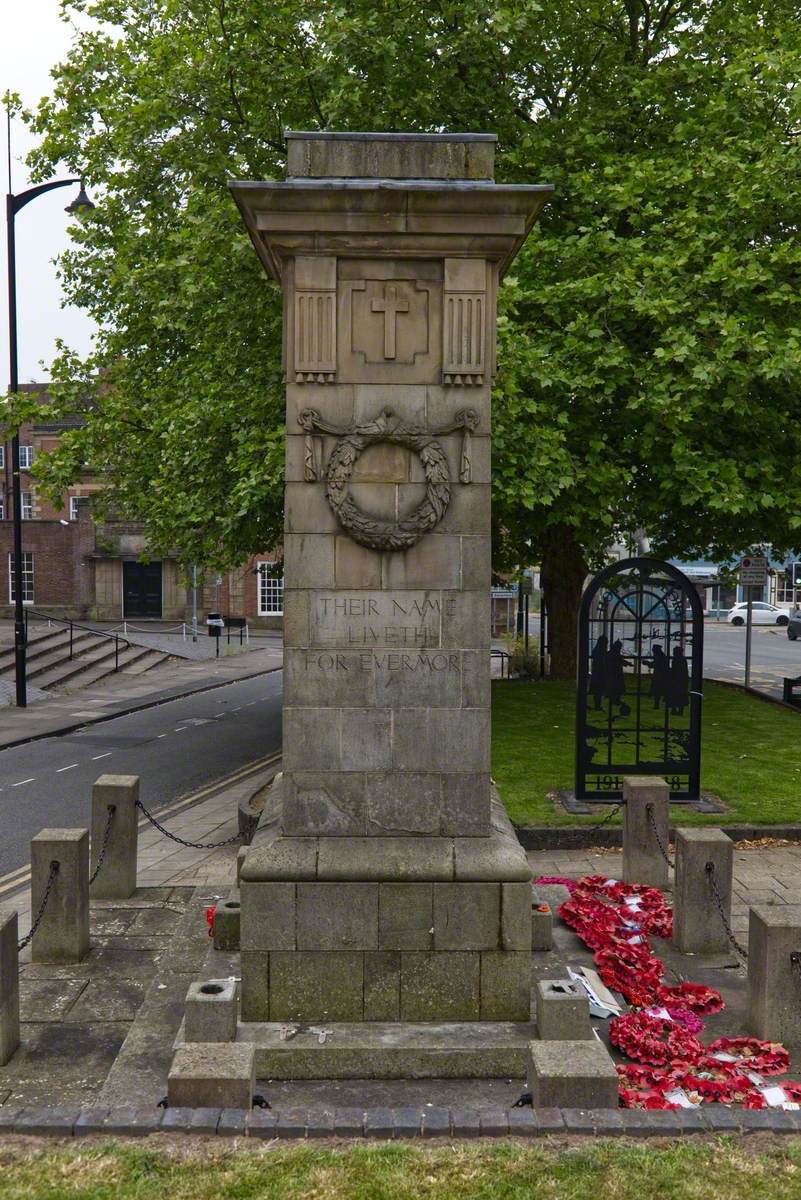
(388, 660)
(387, 619)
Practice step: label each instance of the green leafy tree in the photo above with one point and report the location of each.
(650, 332)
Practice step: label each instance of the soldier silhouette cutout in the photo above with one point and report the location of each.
(597, 687)
(660, 676)
(615, 680)
(678, 683)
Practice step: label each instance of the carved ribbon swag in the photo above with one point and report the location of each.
(375, 532)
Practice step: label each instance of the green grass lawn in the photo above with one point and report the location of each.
(751, 754)
(675, 1170)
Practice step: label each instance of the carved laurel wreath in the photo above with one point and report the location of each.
(375, 532)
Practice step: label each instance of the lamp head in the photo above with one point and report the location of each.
(81, 203)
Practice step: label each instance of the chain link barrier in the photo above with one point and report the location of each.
(112, 808)
(182, 841)
(710, 871)
(26, 941)
(605, 820)
(649, 809)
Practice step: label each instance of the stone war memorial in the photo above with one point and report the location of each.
(392, 895)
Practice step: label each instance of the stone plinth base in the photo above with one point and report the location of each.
(387, 929)
(372, 1050)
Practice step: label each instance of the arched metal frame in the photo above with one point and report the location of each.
(645, 720)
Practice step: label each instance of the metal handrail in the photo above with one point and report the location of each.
(72, 626)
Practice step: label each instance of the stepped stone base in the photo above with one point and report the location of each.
(387, 929)
(397, 1050)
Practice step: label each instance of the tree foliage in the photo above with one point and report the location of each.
(651, 328)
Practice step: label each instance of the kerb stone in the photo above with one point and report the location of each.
(63, 933)
(116, 879)
(646, 807)
(572, 1075)
(9, 984)
(212, 1075)
(703, 857)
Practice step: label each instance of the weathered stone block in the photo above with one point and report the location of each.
(697, 927)
(212, 1075)
(63, 934)
(330, 677)
(316, 986)
(406, 916)
(440, 987)
(9, 984)
(309, 559)
(506, 986)
(541, 927)
(255, 996)
(563, 1011)
(466, 805)
(227, 922)
(475, 679)
(403, 804)
(467, 916)
(434, 562)
(211, 1011)
(516, 916)
(647, 802)
(356, 566)
(774, 972)
(306, 509)
(498, 857)
(366, 739)
(116, 878)
(398, 859)
(337, 916)
(324, 803)
(391, 156)
(417, 678)
(268, 916)
(297, 619)
(286, 858)
(446, 740)
(382, 981)
(476, 562)
(579, 1074)
(466, 624)
(312, 739)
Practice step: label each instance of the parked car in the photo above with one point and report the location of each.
(794, 625)
(763, 614)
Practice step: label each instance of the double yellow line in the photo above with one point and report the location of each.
(22, 876)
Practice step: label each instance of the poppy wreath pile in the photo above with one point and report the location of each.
(671, 1068)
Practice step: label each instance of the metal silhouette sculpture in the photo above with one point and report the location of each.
(640, 646)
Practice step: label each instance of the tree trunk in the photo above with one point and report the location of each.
(563, 571)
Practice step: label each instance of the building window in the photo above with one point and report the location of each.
(25, 457)
(27, 578)
(271, 592)
(77, 505)
(27, 505)
(2, 455)
(785, 592)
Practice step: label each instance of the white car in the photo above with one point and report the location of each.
(762, 614)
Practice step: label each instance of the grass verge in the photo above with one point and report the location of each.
(723, 1168)
(750, 758)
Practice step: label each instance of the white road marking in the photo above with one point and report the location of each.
(161, 735)
(31, 780)
(97, 756)
(69, 768)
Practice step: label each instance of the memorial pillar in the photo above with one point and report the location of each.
(394, 889)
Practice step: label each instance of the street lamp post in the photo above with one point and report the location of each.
(13, 205)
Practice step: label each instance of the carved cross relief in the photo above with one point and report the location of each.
(390, 306)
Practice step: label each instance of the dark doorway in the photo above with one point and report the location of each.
(141, 589)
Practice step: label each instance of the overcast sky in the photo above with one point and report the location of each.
(32, 40)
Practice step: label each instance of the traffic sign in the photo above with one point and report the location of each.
(754, 571)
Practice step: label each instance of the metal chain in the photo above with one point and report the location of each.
(604, 820)
(649, 808)
(710, 870)
(182, 841)
(48, 889)
(112, 808)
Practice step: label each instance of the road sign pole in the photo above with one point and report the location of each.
(748, 627)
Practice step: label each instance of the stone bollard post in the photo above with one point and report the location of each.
(774, 972)
(697, 925)
(116, 879)
(646, 807)
(63, 933)
(9, 984)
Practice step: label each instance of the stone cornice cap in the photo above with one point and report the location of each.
(327, 155)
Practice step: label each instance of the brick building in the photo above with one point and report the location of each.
(75, 568)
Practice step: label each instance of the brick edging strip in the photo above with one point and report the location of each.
(393, 1123)
(133, 708)
(576, 837)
